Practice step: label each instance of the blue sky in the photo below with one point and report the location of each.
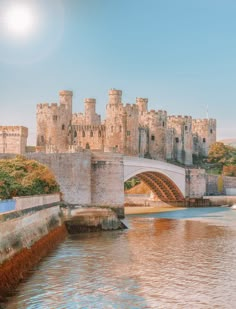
(181, 54)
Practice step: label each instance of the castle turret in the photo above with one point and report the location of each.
(66, 99)
(115, 97)
(115, 123)
(142, 104)
(91, 118)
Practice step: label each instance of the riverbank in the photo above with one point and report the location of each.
(146, 209)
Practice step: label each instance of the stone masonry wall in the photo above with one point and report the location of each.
(72, 172)
(107, 177)
(195, 183)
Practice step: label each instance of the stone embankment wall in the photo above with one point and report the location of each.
(27, 235)
(217, 185)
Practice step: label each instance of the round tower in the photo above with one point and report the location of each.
(89, 109)
(142, 104)
(65, 119)
(115, 97)
(115, 123)
(66, 99)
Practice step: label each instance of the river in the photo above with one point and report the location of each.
(179, 259)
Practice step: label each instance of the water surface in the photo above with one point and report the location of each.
(181, 259)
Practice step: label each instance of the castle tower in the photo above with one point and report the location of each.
(180, 139)
(91, 118)
(64, 121)
(115, 123)
(157, 124)
(53, 124)
(132, 130)
(204, 131)
(142, 104)
(66, 100)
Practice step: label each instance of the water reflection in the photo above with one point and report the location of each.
(157, 263)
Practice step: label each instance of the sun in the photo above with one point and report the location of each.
(19, 20)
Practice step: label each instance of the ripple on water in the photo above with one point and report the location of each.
(157, 263)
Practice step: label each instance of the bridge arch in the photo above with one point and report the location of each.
(166, 180)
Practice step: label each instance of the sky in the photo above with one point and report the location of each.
(180, 54)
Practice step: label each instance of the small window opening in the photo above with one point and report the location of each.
(176, 139)
(153, 138)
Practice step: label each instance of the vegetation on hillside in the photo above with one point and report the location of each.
(20, 177)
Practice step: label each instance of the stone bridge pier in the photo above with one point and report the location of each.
(88, 179)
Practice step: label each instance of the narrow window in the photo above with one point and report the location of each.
(128, 133)
(163, 124)
(87, 146)
(99, 133)
(204, 140)
(83, 134)
(75, 134)
(176, 139)
(63, 127)
(91, 133)
(186, 128)
(211, 131)
(54, 117)
(153, 138)
(120, 128)
(111, 129)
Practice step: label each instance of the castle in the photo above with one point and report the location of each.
(129, 129)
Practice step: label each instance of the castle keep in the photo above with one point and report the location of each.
(129, 129)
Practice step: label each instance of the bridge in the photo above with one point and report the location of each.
(166, 180)
(97, 178)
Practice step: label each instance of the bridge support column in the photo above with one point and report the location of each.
(107, 181)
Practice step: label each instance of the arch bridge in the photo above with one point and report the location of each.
(166, 180)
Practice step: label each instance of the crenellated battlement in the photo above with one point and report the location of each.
(42, 107)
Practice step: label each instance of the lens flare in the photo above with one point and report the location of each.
(19, 20)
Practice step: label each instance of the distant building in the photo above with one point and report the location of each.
(128, 129)
(13, 139)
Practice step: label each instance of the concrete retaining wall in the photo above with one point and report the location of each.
(24, 202)
(27, 235)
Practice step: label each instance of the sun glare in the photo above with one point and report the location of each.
(19, 20)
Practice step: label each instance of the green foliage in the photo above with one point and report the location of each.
(221, 153)
(132, 182)
(221, 159)
(20, 177)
